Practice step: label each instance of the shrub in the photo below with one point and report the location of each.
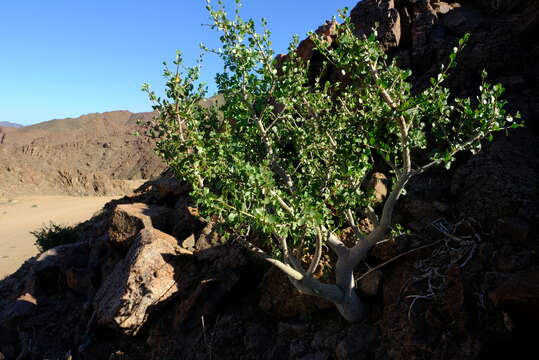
(287, 152)
(52, 235)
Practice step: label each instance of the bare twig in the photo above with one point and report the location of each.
(398, 257)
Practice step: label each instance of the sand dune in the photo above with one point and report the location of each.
(21, 215)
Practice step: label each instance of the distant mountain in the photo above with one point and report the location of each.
(91, 154)
(10, 124)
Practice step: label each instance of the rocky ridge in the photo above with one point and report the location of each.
(151, 280)
(95, 154)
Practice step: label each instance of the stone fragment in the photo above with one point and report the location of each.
(144, 280)
(129, 219)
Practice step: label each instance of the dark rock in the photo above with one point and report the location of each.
(185, 220)
(280, 299)
(456, 300)
(24, 306)
(256, 338)
(366, 14)
(371, 283)
(80, 281)
(499, 183)
(208, 238)
(223, 257)
(518, 296)
(357, 344)
(512, 228)
(205, 300)
(509, 261)
(316, 356)
(385, 250)
(292, 328)
(168, 185)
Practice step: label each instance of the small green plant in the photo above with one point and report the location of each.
(52, 235)
(285, 153)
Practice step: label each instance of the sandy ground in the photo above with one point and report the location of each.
(21, 215)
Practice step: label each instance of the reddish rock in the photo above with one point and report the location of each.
(145, 279)
(378, 184)
(369, 13)
(385, 250)
(371, 283)
(454, 299)
(129, 219)
(205, 300)
(280, 299)
(169, 185)
(306, 47)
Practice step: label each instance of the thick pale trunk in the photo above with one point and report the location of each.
(343, 292)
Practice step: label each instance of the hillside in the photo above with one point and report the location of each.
(9, 124)
(91, 154)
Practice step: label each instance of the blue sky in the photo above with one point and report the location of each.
(65, 58)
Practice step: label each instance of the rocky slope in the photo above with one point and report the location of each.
(92, 154)
(151, 280)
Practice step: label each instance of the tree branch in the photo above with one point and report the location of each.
(288, 270)
(403, 126)
(283, 203)
(317, 254)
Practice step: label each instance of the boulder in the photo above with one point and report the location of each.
(144, 280)
(367, 14)
(128, 219)
(48, 273)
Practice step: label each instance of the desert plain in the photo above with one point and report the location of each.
(21, 215)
